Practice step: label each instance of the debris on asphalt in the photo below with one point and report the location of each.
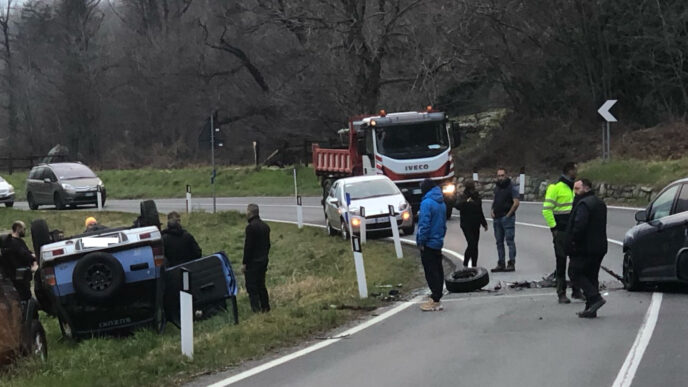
(611, 273)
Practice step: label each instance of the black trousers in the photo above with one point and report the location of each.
(255, 286)
(434, 272)
(559, 242)
(472, 234)
(584, 272)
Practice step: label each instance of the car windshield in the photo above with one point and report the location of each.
(371, 189)
(409, 141)
(72, 171)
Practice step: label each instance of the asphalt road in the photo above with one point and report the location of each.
(510, 337)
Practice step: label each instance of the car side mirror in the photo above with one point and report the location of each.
(333, 201)
(361, 145)
(456, 134)
(47, 180)
(641, 216)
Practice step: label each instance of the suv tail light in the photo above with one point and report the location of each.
(49, 276)
(158, 256)
(145, 235)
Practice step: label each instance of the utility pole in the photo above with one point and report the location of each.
(212, 157)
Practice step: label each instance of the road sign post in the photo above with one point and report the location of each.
(606, 133)
(212, 157)
(360, 268)
(395, 232)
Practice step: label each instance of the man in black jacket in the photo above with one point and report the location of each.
(17, 261)
(180, 245)
(587, 245)
(255, 263)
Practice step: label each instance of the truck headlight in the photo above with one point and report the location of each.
(449, 189)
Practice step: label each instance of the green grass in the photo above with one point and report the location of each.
(309, 273)
(171, 183)
(655, 174)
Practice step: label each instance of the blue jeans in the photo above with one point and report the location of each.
(505, 228)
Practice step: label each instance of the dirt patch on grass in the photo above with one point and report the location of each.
(666, 141)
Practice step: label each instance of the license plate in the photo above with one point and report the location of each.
(380, 220)
(90, 193)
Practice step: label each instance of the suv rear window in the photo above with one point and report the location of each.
(72, 171)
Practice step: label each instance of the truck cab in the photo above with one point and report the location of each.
(407, 147)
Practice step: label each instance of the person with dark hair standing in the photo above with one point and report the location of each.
(255, 263)
(556, 210)
(504, 208)
(432, 227)
(16, 258)
(587, 245)
(470, 207)
(180, 246)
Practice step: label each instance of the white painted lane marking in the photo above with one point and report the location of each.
(315, 347)
(497, 297)
(635, 355)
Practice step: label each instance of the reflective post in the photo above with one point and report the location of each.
(188, 198)
(475, 175)
(299, 211)
(99, 198)
(362, 227)
(522, 183)
(395, 231)
(186, 314)
(360, 268)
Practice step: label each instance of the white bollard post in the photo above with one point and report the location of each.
(188, 198)
(362, 227)
(299, 211)
(347, 215)
(186, 315)
(395, 232)
(522, 183)
(99, 198)
(360, 268)
(475, 175)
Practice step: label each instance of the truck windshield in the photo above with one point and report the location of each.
(412, 141)
(370, 189)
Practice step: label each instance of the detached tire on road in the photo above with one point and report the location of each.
(98, 277)
(467, 279)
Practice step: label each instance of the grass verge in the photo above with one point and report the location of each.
(171, 183)
(656, 174)
(309, 273)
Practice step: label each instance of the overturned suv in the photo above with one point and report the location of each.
(103, 281)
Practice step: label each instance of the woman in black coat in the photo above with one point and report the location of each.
(472, 217)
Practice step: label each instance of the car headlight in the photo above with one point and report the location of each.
(100, 183)
(11, 189)
(449, 189)
(405, 215)
(67, 187)
(355, 222)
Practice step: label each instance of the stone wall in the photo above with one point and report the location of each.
(536, 187)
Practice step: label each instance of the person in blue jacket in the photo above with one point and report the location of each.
(430, 240)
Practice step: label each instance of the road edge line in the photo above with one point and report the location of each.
(627, 372)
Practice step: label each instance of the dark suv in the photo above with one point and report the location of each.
(653, 249)
(63, 184)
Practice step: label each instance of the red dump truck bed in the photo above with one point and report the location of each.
(336, 162)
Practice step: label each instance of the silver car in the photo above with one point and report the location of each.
(6, 193)
(62, 185)
(375, 194)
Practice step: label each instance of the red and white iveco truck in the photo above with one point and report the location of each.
(407, 147)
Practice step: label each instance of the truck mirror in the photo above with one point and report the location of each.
(361, 145)
(456, 134)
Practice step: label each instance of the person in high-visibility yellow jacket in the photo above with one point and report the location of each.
(556, 210)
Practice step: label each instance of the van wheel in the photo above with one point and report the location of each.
(630, 276)
(32, 201)
(467, 279)
(59, 202)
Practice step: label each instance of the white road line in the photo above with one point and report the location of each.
(496, 297)
(313, 348)
(635, 355)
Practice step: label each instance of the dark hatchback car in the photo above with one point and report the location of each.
(656, 249)
(62, 185)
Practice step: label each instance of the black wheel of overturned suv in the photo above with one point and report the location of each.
(467, 279)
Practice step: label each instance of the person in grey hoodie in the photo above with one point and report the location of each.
(432, 226)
